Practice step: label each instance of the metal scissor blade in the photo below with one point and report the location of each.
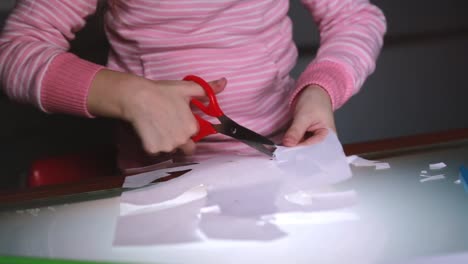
(260, 147)
(230, 128)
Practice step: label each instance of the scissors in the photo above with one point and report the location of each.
(227, 126)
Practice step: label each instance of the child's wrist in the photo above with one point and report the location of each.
(108, 92)
(317, 90)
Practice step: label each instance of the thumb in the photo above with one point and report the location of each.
(192, 89)
(188, 148)
(295, 133)
(218, 85)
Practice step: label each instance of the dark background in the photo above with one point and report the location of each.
(420, 85)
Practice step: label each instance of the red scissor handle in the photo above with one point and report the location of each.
(205, 129)
(213, 109)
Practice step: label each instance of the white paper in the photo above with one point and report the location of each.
(382, 166)
(433, 178)
(226, 197)
(361, 162)
(424, 172)
(143, 179)
(437, 166)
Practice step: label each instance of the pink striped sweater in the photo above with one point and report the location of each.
(247, 41)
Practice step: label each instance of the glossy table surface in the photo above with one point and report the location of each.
(397, 219)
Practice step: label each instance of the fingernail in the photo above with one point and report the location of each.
(220, 81)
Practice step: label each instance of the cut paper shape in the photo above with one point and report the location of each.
(437, 166)
(227, 196)
(433, 178)
(382, 166)
(361, 162)
(191, 195)
(214, 209)
(351, 158)
(143, 179)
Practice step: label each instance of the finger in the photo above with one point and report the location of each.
(188, 148)
(218, 85)
(318, 136)
(195, 90)
(295, 133)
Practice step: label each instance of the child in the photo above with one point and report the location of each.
(245, 47)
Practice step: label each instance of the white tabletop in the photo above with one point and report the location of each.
(397, 219)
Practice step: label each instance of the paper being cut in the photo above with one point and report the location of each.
(238, 192)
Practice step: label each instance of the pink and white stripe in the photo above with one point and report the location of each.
(248, 42)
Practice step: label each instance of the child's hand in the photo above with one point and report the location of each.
(313, 116)
(158, 110)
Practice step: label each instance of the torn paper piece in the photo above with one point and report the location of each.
(172, 225)
(433, 178)
(214, 209)
(382, 166)
(351, 158)
(143, 179)
(191, 195)
(360, 162)
(437, 166)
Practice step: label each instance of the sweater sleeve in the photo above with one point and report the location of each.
(351, 37)
(35, 65)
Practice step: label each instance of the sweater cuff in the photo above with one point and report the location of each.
(66, 83)
(332, 77)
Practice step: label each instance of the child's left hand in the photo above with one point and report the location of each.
(313, 116)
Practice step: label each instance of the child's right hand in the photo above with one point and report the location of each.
(159, 111)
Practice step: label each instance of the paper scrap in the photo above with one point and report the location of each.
(143, 179)
(437, 166)
(382, 166)
(361, 162)
(424, 172)
(433, 178)
(196, 193)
